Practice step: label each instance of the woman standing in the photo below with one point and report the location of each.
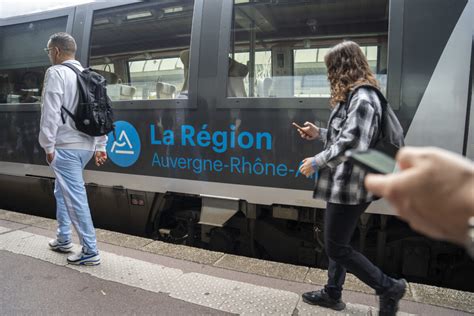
(341, 184)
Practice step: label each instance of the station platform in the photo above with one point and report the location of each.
(143, 276)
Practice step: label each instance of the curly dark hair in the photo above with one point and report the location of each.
(347, 67)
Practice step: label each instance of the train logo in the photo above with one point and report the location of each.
(125, 150)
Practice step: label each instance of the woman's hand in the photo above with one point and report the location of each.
(306, 167)
(309, 131)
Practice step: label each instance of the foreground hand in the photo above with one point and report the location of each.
(306, 167)
(433, 192)
(100, 158)
(50, 157)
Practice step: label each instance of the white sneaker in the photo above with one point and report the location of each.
(84, 259)
(54, 244)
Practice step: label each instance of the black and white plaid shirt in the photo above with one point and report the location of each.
(349, 127)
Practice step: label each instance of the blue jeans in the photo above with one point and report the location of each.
(339, 224)
(71, 197)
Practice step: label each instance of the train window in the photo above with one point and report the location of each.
(105, 67)
(238, 62)
(23, 61)
(168, 73)
(278, 47)
(143, 49)
(310, 78)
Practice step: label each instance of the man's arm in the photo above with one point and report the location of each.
(101, 143)
(51, 110)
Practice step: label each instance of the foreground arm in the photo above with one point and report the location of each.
(433, 192)
(50, 112)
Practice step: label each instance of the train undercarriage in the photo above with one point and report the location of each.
(279, 233)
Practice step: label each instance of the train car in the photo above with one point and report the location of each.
(204, 93)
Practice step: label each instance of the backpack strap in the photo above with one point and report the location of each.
(68, 113)
(347, 103)
(77, 72)
(382, 98)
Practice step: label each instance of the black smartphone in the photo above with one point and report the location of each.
(299, 128)
(372, 160)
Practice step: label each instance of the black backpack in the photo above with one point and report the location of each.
(390, 138)
(94, 114)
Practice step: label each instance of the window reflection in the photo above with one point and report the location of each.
(23, 61)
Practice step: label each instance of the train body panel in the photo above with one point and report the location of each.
(213, 138)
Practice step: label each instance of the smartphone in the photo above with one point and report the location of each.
(372, 160)
(296, 125)
(299, 128)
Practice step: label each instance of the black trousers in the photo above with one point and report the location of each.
(339, 225)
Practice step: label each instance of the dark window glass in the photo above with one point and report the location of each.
(278, 47)
(23, 61)
(143, 49)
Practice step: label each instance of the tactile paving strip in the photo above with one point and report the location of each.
(4, 230)
(194, 288)
(351, 309)
(133, 272)
(253, 300)
(233, 296)
(13, 236)
(31, 245)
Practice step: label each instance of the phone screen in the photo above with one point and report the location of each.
(297, 126)
(373, 161)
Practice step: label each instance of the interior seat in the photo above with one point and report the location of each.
(165, 90)
(237, 73)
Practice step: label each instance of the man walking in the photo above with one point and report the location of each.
(68, 151)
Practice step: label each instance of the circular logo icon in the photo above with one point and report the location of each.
(125, 150)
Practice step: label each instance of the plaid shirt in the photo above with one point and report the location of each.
(349, 127)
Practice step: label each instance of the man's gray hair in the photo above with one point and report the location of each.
(64, 42)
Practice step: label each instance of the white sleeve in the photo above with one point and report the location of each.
(101, 142)
(53, 94)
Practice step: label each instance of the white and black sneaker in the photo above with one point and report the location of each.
(56, 245)
(84, 259)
